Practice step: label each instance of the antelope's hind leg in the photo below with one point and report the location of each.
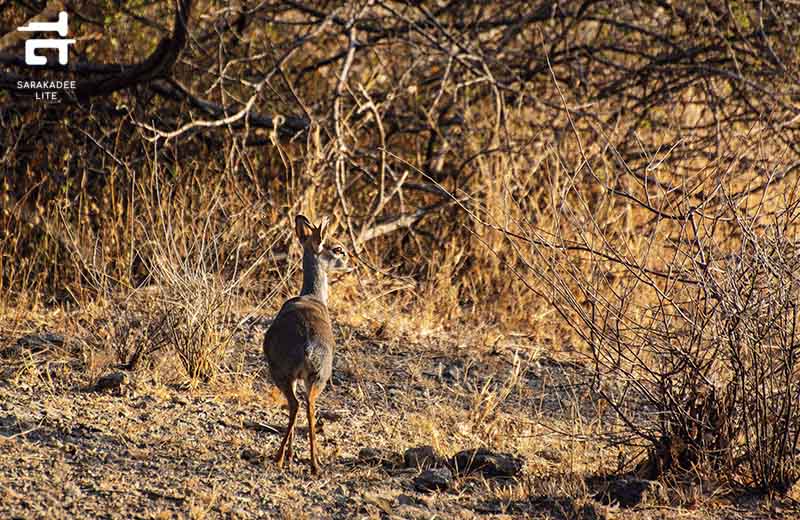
(285, 453)
(313, 393)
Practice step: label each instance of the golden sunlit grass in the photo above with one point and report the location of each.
(555, 292)
(474, 299)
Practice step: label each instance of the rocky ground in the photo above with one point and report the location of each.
(426, 429)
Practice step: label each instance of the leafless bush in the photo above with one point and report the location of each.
(640, 157)
(194, 322)
(131, 333)
(191, 278)
(689, 314)
(196, 278)
(756, 323)
(344, 106)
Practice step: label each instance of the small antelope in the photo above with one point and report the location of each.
(299, 342)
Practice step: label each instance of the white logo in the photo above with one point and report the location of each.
(31, 46)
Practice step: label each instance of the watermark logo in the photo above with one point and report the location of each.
(47, 90)
(61, 44)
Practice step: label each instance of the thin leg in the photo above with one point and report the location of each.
(312, 428)
(289, 451)
(285, 451)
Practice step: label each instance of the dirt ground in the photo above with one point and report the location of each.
(149, 447)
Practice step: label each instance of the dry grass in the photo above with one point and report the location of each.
(536, 234)
(187, 450)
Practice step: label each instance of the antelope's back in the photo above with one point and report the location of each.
(299, 342)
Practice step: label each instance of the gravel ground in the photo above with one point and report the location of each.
(75, 446)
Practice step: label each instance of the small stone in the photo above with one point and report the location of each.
(549, 454)
(626, 492)
(251, 456)
(421, 457)
(489, 464)
(567, 507)
(114, 382)
(450, 373)
(413, 513)
(492, 507)
(369, 454)
(379, 456)
(381, 502)
(72, 491)
(405, 500)
(39, 342)
(435, 479)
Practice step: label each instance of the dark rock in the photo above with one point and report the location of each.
(626, 492)
(39, 342)
(435, 479)
(328, 416)
(493, 507)
(369, 454)
(453, 372)
(421, 457)
(379, 456)
(405, 500)
(549, 454)
(252, 456)
(489, 464)
(564, 508)
(32, 344)
(113, 382)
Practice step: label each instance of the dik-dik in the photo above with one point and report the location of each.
(299, 343)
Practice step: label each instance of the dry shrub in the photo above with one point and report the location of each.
(197, 277)
(631, 163)
(366, 112)
(195, 310)
(756, 325)
(192, 271)
(713, 380)
(688, 309)
(131, 331)
(487, 402)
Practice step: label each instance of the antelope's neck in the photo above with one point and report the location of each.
(315, 279)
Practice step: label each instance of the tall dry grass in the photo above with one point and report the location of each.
(601, 176)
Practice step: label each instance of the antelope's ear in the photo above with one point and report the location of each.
(303, 228)
(322, 230)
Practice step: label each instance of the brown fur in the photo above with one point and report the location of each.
(299, 343)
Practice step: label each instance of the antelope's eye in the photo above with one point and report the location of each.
(338, 250)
